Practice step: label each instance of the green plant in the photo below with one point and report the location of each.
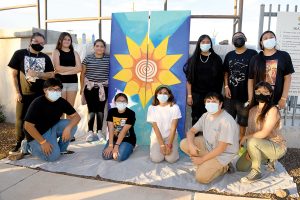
(2, 116)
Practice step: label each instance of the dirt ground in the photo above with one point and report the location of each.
(291, 161)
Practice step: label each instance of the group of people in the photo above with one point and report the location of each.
(256, 87)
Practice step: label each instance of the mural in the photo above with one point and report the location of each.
(148, 50)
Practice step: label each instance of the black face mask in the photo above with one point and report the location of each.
(263, 98)
(37, 47)
(239, 42)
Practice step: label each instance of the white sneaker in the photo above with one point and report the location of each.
(90, 137)
(100, 137)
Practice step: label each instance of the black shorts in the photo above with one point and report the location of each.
(237, 110)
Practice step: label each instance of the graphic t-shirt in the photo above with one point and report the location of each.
(23, 60)
(237, 67)
(276, 67)
(163, 116)
(45, 114)
(119, 120)
(223, 128)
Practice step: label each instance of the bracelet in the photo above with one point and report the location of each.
(226, 86)
(43, 142)
(283, 98)
(190, 95)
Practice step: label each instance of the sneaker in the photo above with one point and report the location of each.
(24, 147)
(15, 148)
(100, 136)
(254, 175)
(90, 137)
(15, 156)
(271, 165)
(67, 152)
(73, 139)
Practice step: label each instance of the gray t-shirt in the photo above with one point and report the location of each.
(223, 129)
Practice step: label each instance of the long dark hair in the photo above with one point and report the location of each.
(261, 37)
(267, 106)
(192, 62)
(60, 41)
(171, 99)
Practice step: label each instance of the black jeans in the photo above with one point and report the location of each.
(21, 110)
(95, 107)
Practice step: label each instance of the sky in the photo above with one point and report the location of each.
(220, 28)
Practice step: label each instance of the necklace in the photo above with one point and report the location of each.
(206, 59)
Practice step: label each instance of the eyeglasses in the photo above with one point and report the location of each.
(257, 92)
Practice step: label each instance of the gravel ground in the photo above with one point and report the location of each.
(291, 160)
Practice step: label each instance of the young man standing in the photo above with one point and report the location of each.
(30, 68)
(212, 152)
(236, 67)
(47, 135)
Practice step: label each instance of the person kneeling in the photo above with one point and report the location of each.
(163, 114)
(265, 144)
(212, 152)
(43, 124)
(122, 139)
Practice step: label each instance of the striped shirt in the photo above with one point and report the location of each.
(97, 69)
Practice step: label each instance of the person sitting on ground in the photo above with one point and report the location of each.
(120, 122)
(212, 152)
(263, 139)
(163, 115)
(43, 125)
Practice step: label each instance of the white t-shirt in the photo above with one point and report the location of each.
(163, 116)
(220, 129)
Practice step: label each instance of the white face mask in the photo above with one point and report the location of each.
(205, 47)
(162, 98)
(269, 43)
(212, 108)
(53, 95)
(121, 106)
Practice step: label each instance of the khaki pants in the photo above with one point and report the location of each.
(260, 150)
(210, 169)
(157, 156)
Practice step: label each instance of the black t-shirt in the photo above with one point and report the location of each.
(275, 67)
(119, 120)
(209, 75)
(237, 66)
(67, 59)
(22, 60)
(45, 114)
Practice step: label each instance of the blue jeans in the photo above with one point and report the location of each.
(51, 136)
(125, 150)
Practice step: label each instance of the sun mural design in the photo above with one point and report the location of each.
(145, 68)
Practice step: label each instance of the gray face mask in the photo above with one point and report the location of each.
(53, 95)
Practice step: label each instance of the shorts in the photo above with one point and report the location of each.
(70, 87)
(237, 110)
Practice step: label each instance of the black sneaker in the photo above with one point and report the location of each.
(231, 168)
(73, 139)
(15, 148)
(67, 152)
(254, 175)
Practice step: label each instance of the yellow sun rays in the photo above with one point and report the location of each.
(143, 76)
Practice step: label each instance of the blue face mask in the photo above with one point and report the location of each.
(212, 108)
(205, 47)
(53, 95)
(121, 106)
(162, 98)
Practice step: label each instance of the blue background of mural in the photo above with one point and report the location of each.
(175, 24)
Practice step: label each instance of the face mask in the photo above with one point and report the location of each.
(54, 95)
(269, 43)
(238, 42)
(263, 98)
(212, 108)
(121, 106)
(37, 47)
(205, 47)
(162, 98)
